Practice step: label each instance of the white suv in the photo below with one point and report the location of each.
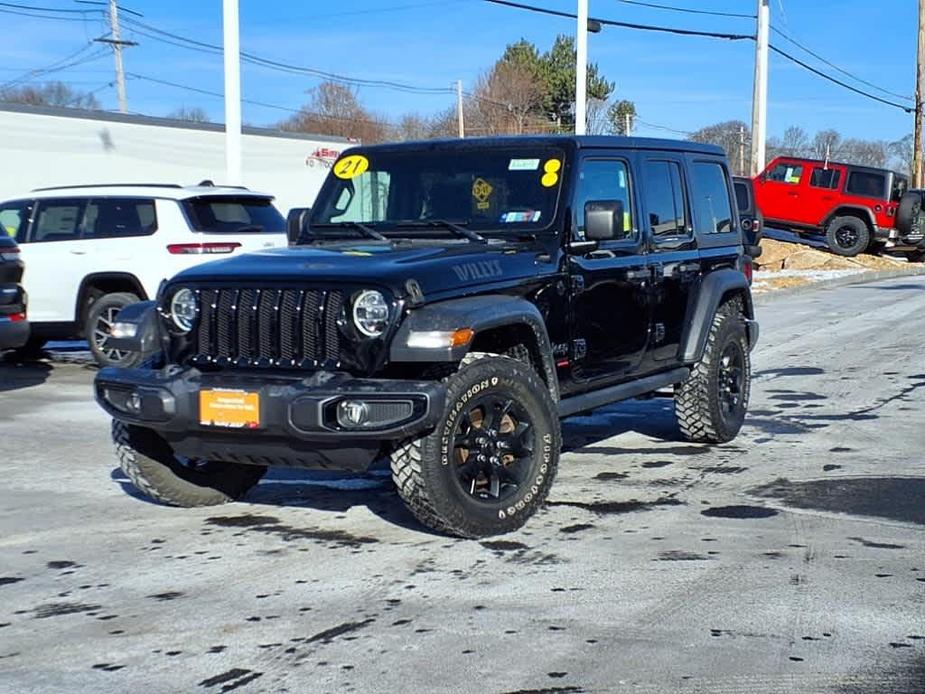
(91, 250)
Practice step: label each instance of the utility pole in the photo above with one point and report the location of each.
(918, 179)
(742, 169)
(627, 119)
(581, 69)
(117, 45)
(760, 98)
(459, 108)
(232, 52)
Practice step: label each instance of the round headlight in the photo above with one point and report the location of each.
(371, 313)
(184, 309)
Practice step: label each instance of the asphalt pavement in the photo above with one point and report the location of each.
(791, 560)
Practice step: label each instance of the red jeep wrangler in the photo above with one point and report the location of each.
(858, 208)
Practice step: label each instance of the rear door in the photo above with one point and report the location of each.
(821, 195)
(609, 280)
(673, 258)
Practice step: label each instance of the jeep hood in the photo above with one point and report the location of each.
(436, 268)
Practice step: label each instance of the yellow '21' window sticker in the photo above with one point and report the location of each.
(351, 166)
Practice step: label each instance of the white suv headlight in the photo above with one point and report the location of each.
(184, 309)
(371, 313)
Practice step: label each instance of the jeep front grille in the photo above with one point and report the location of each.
(289, 328)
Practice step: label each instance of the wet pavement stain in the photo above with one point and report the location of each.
(231, 679)
(722, 470)
(681, 555)
(7, 580)
(328, 635)
(830, 467)
(503, 545)
(607, 476)
(616, 507)
(896, 498)
(876, 545)
(658, 463)
(273, 526)
(577, 528)
(739, 512)
(57, 609)
(165, 597)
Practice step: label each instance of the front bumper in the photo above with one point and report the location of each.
(298, 424)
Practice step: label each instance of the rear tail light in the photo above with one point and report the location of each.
(14, 317)
(748, 270)
(9, 253)
(202, 248)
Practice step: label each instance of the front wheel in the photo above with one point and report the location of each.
(710, 405)
(847, 236)
(98, 328)
(490, 462)
(158, 473)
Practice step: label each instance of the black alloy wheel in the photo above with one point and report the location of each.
(731, 374)
(493, 446)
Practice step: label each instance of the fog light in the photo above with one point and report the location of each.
(133, 404)
(352, 413)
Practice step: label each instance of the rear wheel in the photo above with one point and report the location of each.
(490, 462)
(847, 236)
(158, 473)
(98, 328)
(711, 404)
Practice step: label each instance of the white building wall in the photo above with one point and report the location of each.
(50, 147)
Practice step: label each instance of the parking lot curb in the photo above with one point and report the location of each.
(859, 278)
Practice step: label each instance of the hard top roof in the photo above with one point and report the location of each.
(581, 141)
(143, 190)
(822, 162)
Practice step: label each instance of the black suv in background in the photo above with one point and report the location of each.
(443, 306)
(14, 328)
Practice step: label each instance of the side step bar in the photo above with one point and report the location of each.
(622, 391)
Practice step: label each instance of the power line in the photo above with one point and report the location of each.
(686, 10)
(818, 57)
(56, 67)
(20, 6)
(655, 126)
(626, 25)
(907, 109)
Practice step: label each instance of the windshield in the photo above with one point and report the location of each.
(487, 189)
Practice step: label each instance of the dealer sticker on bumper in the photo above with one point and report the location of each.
(237, 409)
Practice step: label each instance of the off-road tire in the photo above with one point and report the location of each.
(915, 256)
(424, 473)
(102, 306)
(859, 231)
(908, 214)
(697, 400)
(153, 468)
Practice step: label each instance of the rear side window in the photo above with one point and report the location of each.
(119, 217)
(825, 178)
(786, 173)
(665, 199)
(231, 215)
(868, 184)
(743, 199)
(58, 220)
(712, 206)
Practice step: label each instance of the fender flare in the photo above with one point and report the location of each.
(713, 289)
(480, 313)
(838, 212)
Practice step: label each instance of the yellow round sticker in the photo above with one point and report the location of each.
(552, 166)
(351, 166)
(549, 179)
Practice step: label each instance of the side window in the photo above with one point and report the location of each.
(825, 178)
(664, 198)
(14, 218)
(868, 184)
(602, 179)
(712, 208)
(58, 220)
(119, 217)
(786, 173)
(743, 198)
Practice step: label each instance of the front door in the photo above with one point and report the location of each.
(820, 196)
(780, 191)
(609, 280)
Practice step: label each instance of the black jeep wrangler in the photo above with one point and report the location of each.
(443, 305)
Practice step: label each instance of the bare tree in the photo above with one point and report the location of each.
(828, 144)
(732, 136)
(902, 152)
(335, 109)
(50, 94)
(866, 152)
(193, 114)
(413, 126)
(506, 100)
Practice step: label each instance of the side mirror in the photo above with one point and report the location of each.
(604, 220)
(296, 223)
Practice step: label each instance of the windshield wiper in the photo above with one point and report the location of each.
(456, 227)
(367, 231)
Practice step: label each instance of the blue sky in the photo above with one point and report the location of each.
(678, 82)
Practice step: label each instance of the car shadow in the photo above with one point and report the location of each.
(17, 373)
(337, 492)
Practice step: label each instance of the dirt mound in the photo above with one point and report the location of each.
(783, 255)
